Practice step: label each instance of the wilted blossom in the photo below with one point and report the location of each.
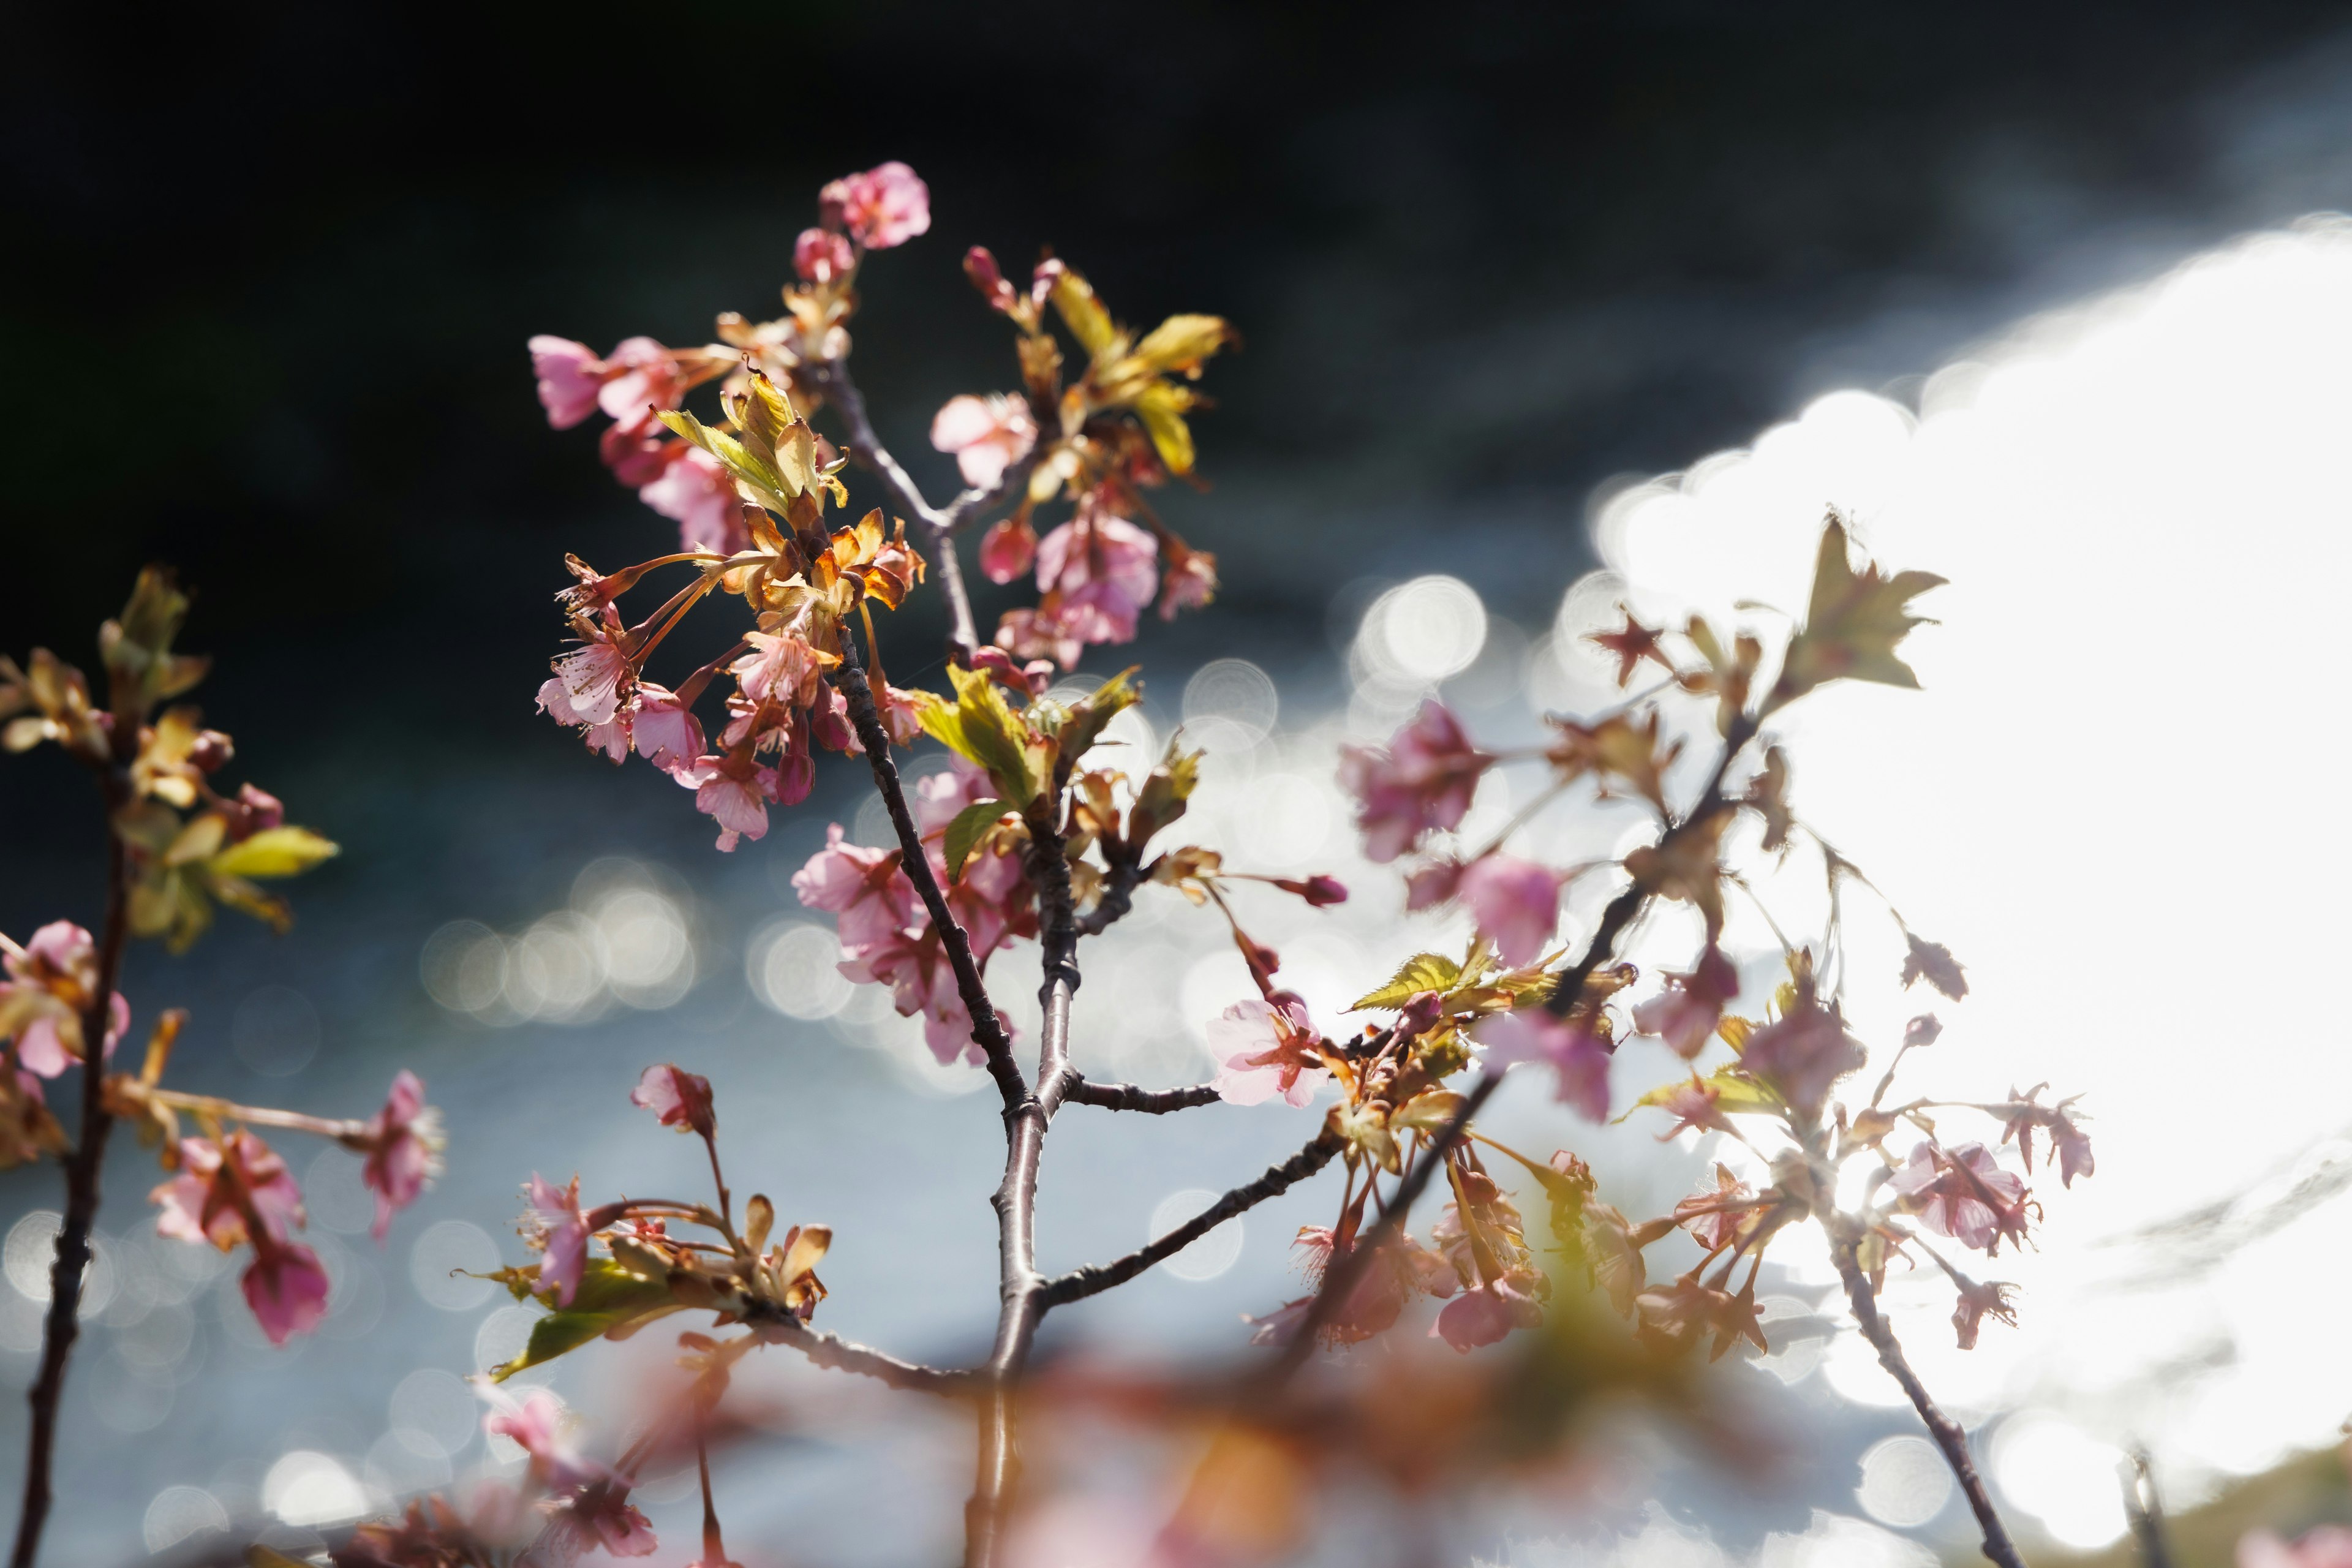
(677, 1098)
(1977, 1302)
(886, 205)
(404, 1145)
(1964, 1193)
(1686, 1012)
(1421, 780)
(1515, 903)
(1579, 1056)
(822, 256)
(1804, 1053)
(986, 435)
(1266, 1050)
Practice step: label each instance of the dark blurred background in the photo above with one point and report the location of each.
(270, 272)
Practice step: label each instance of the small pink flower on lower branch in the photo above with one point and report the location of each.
(229, 1191)
(1574, 1051)
(1420, 781)
(1964, 1193)
(403, 1144)
(869, 897)
(570, 377)
(1266, 1051)
(555, 1227)
(1488, 1314)
(1008, 549)
(536, 1424)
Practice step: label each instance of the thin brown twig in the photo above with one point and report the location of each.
(81, 1169)
(844, 1355)
(1949, 1436)
(1128, 1097)
(1096, 1278)
(987, 1029)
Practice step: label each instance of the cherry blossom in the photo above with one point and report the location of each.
(1964, 1193)
(404, 1148)
(1008, 549)
(230, 1190)
(1515, 902)
(822, 256)
(663, 730)
(645, 376)
(287, 1288)
(562, 1232)
(696, 493)
(1099, 571)
(1579, 1056)
(869, 897)
(677, 1098)
(570, 377)
(884, 206)
(587, 685)
(1420, 781)
(1684, 1014)
(734, 791)
(1188, 581)
(986, 435)
(1266, 1050)
(1804, 1053)
(1487, 1314)
(536, 1424)
(2322, 1546)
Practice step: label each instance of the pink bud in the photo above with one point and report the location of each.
(821, 255)
(1007, 550)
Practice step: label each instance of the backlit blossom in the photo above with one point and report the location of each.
(1097, 570)
(536, 1423)
(677, 1098)
(734, 791)
(1534, 1035)
(404, 1143)
(1991, 1299)
(588, 683)
(869, 897)
(782, 667)
(1035, 633)
(1485, 1315)
(885, 205)
(287, 1288)
(1515, 903)
(50, 986)
(1421, 781)
(1804, 1053)
(562, 1232)
(1266, 1051)
(821, 255)
(663, 730)
(1008, 549)
(696, 493)
(1963, 1192)
(570, 377)
(647, 376)
(986, 435)
(1685, 1013)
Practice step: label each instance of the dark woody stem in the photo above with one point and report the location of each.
(939, 525)
(1096, 1278)
(1128, 1097)
(987, 1029)
(81, 1170)
(1948, 1433)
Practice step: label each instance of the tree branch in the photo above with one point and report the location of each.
(987, 1029)
(1948, 1433)
(1117, 898)
(81, 1176)
(1128, 1097)
(940, 525)
(843, 1355)
(1096, 1278)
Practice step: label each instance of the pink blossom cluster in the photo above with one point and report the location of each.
(887, 936)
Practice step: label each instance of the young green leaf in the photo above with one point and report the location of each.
(1421, 972)
(1853, 624)
(965, 830)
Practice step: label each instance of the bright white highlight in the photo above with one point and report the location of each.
(1211, 1256)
